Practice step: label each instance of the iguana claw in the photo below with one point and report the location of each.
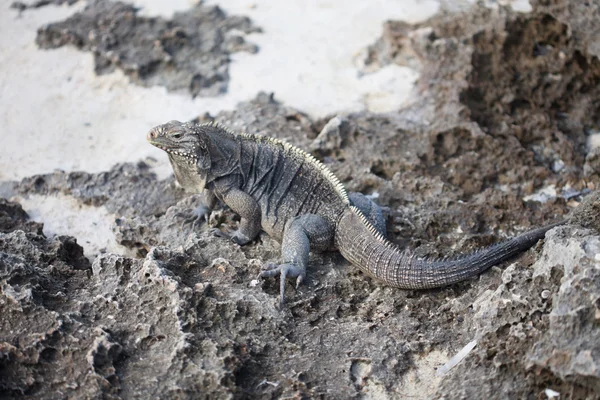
(199, 214)
(284, 271)
(236, 237)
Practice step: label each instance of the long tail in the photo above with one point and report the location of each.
(361, 244)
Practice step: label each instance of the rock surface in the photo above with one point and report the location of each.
(187, 318)
(189, 52)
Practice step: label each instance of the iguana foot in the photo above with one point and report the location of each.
(198, 215)
(284, 271)
(239, 238)
(236, 237)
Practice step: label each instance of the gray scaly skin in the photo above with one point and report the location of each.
(286, 192)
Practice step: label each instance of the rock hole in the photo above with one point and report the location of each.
(48, 354)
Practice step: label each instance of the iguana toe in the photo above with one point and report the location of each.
(236, 237)
(217, 232)
(239, 238)
(284, 271)
(198, 215)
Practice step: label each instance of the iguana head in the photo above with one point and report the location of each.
(199, 153)
(181, 141)
(187, 149)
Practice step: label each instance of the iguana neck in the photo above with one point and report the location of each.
(188, 175)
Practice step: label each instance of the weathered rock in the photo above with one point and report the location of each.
(591, 167)
(126, 189)
(570, 347)
(189, 52)
(396, 45)
(103, 331)
(29, 4)
(332, 135)
(588, 214)
(13, 217)
(538, 329)
(187, 318)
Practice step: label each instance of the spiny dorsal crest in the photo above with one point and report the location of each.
(217, 125)
(384, 241)
(378, 236)
(369, 225)
(318, 165)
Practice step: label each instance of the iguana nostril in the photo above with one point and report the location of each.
(151, 135)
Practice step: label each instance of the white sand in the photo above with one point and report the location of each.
(71, 119)
(64, 215)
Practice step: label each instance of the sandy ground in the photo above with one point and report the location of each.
(74, 120)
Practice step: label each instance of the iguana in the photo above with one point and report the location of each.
(289, 194)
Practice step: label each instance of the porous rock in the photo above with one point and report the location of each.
(489, 127)
(189, 53)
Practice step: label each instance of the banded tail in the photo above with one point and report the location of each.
(360, 243)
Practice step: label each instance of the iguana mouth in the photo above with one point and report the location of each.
(182, 154)
(190, 157)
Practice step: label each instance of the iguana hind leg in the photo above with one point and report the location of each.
(303, 233)
(370, 210)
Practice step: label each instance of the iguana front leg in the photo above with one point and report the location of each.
(202, 212)
(249, 211)
(304, 232)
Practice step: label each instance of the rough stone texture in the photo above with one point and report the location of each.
(126, 189)
(528, 81)
(570, 348)
(13, 217)
(189, 52)
(186, 318)
(588, 215)
(538, 329)
(395, 46)
(24, 5)
(104, 330)
(582, 19)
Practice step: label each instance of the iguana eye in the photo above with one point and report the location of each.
(178, 135)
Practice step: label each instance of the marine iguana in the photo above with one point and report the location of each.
(289, 194)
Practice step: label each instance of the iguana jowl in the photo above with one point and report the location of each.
(286, 192)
